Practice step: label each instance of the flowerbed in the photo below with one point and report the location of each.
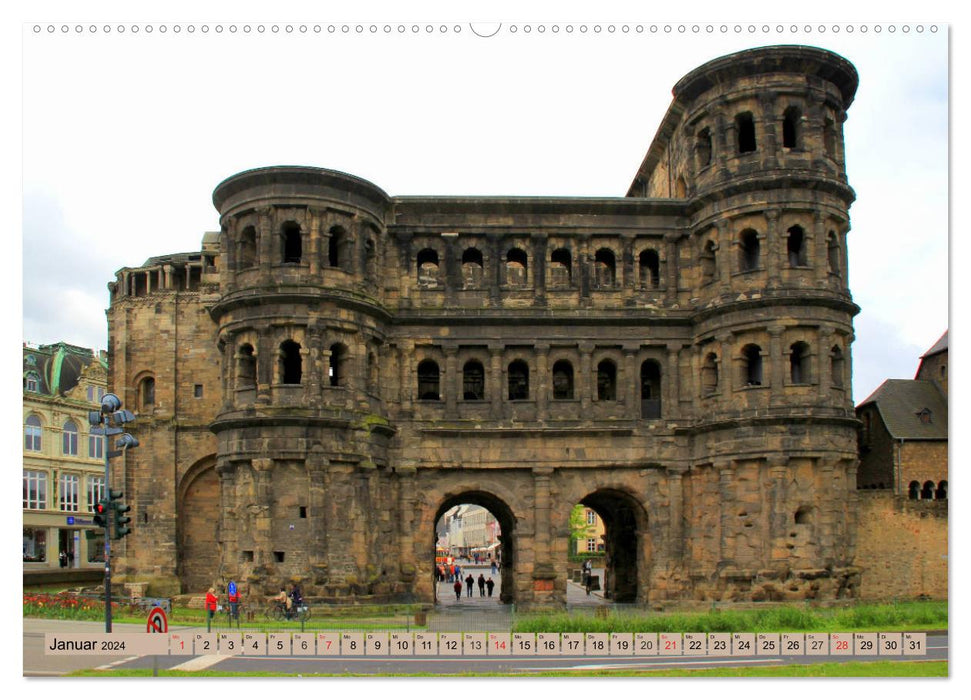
(64, 606)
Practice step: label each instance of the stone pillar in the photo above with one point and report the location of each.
(671, 268)
(228, 362)
(824, 369)
(228, 253)
(540, 244)
(777, 471)
(452, 261)
(261, 525)
(406, 352)
(264, 244)
(627, 267)
(319, 492)
(265, 356)
(543, 569)
(770, 149)
(405, 257)
(494, 386)
(226, 533)
(726, 378)
(726, 247)
(772, 241)
(820, 251)
(726, 495)
(407, 571)
(724, 138)
(314, 241)
(583, 381)
(777, 366)
(676, 513)
(494, 272)
(672, 394)
(450, 382)
(630, 380)
(542, 383)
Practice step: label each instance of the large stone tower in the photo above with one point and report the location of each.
(338, 367)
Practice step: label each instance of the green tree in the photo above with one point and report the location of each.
(579, 529)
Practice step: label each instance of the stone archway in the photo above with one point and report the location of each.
(503, 514)
(624, 522)
(199, 510)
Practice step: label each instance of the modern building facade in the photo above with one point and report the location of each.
(338, 367)
(63, 464)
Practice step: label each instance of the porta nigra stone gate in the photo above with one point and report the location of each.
(338, 367)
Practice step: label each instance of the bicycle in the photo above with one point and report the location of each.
(278, 612)
(231, 619)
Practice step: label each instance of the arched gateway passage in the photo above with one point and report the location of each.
(624, 522)
(504, 553)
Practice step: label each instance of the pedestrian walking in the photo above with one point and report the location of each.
(469, 582)
(490, 584)
(481, 582)
(457, 586)
(493, 567)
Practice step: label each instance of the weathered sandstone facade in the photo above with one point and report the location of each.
(338, 367)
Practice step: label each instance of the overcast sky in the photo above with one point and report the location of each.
(125, 136)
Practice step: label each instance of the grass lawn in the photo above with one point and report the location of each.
(849, 669)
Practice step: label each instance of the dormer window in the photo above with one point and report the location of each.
(924, 416)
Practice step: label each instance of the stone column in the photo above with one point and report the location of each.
(542, 383)
(726, 496)
(724, 138)
(673, 388)
(319, 491)
(676, 541)
(627, 267)
(228, 361)
(777, 471)
(770, 149)
(543, 569)
(773, 255)
(726, 247)
(540, 243)
(671, 267)
(314, 241)
(630, 380)
(264, 246)
(820, 251)
(262, 521)
(824, 369)
(584, 383)
(226, 533)
(494, 271)
(407, 571)
(777, 366)
(228, 253)
(450, 382)
(452, 262)
(494, 387)
(265, 356)
(406, 353)
(726, 378)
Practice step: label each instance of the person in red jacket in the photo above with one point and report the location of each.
(211, 602)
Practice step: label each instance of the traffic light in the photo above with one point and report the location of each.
(101, 513)
(120, 519)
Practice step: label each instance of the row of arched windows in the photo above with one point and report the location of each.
(746, 138)
(750, 254)
(563, 386)
(70, 438)
(289, 365)
(291, 248)
(928, 491)
(752, 371)
(562, 268)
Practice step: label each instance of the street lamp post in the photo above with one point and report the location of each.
(107, 422)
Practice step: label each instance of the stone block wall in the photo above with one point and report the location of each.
(902, 547)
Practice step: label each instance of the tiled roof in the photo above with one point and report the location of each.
(900, 403)
(939, 346)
